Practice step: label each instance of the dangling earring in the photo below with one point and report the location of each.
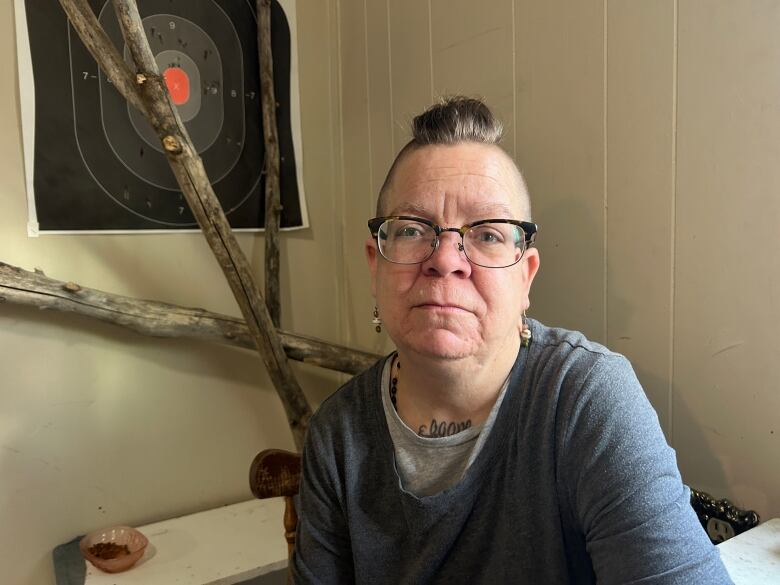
(376, 321)
(525, 332)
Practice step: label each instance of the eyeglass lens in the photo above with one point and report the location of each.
(493, 245)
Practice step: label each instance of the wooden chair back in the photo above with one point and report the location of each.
(276, 473)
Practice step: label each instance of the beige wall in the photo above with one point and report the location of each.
(101, 426)
(649, 133)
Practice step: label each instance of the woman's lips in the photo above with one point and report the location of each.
(446, 308)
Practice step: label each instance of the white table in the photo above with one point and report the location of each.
(218, 547)
(236, 543)
(753, 557)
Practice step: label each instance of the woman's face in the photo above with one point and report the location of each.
(447, 308)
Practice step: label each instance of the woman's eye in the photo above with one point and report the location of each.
(409, 231)
(489, 236)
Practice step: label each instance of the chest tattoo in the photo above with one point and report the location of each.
(443, 428)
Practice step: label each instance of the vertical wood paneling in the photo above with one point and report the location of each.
(313, 260)
(410, 72)
(357, 159)
(319, 127)
(367, 127)
(472, 55)
(727, 303)
(560, 148)
(379, 94)
(640, 190)
(381, 152)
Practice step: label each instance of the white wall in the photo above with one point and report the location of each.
(99, 425)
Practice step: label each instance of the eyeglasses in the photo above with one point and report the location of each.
(491, 243)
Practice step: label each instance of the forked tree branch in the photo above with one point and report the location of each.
(196, 188)
(95, 39)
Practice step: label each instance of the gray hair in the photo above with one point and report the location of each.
(454, 120)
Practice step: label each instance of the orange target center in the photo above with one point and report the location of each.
(178, 83)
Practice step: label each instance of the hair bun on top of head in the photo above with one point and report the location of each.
(457, 119)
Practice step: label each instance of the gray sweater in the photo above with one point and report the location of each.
(574, 484)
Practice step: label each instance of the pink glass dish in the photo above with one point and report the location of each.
(103, 541)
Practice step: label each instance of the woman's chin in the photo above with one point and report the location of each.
(442, 344)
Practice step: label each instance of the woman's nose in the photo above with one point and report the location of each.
(448, 257)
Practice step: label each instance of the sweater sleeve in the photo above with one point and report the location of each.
(624, 489)
(323, 552)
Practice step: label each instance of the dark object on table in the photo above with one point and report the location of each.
(69, 565)
(720, 518)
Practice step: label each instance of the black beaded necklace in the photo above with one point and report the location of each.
(394, 383)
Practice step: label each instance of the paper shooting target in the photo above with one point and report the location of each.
(98, 163)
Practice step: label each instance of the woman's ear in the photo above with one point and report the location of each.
(371, 257)
(529, 266)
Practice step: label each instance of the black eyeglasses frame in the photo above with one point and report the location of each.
(529, 230)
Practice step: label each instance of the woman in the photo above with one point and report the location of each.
(488, 448)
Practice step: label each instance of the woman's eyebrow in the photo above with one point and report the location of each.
(410, 209)
(491, 208)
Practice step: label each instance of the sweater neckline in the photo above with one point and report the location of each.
(518, 380)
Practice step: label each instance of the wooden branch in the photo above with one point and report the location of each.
(196, 188)
(95, 39)
(158, 319)
(273, 207)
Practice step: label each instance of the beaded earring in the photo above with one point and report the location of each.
(376, 321)
(525, 332)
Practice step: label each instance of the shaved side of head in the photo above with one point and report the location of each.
(455, 120)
